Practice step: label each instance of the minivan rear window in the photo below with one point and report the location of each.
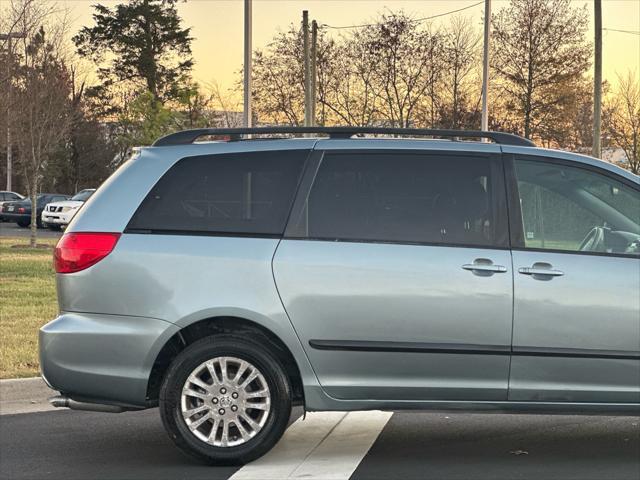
(237, 193)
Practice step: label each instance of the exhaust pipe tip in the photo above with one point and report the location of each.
(59, 401)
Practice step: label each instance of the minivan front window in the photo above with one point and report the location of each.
(573, 209)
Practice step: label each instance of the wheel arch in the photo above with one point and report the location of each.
(214, 326)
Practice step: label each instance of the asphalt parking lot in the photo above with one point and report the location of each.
(80, 445)
(9, 229)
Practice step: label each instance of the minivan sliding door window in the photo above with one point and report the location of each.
(406, 198)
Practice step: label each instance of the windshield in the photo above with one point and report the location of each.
(82, 196)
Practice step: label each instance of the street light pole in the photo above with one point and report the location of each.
(597, 80)
(485, 65)
(313, 72)
(8, 38)
(307, 69)
(247, 113)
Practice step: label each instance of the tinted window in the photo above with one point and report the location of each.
(404, 197)
(574, 209)
(234, 193)
(82, 196)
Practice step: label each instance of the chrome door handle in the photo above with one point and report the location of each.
(484, 267)
(548, 272)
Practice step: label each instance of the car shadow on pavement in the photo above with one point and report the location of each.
(81, 445)
(472, 446)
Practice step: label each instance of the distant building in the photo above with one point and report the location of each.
(616, 156)
(225, 118)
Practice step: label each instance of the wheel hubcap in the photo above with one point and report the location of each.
(225, 401)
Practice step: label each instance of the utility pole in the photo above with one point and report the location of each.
(8, 38)
(314, 60)
(596, 150)
(307, 69)
(247, 112)
(485, 65)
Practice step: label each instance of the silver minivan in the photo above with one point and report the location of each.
(226, 281)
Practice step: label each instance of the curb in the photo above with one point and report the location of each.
(9, 381)
(24, 395)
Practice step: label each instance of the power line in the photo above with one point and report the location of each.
(417, 20)
(632, 32)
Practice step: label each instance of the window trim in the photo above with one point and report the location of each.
(198, 233)
(515, 211)
(500, 205)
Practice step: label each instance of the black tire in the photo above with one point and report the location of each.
(244, 348)
(23, 224)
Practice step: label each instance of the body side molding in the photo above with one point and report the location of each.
(462, 348)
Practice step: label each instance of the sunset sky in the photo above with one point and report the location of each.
(217, 26)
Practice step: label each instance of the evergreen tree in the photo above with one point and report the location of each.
(140, 42)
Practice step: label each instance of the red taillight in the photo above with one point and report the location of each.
(21, 210)
(77, 251)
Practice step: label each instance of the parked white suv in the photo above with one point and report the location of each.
(59, 214)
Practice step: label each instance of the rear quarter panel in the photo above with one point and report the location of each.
(180, 279)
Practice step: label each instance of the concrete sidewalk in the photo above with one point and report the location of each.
(25, 395)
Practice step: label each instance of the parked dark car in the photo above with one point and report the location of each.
(6, 197)
(20, 211)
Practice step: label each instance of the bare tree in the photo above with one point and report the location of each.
(538, 49)
(85, 160)
(349, 93)
(227, 109)
(622, 119)
(278, 85)
(461, 60)
(409, 62)
(18, 18)
(42, 114)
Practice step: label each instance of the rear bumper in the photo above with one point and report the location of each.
(102, 358)
(56, 218)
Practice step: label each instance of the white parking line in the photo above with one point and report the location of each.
(297, 443)
(327, 446)
(338, 456)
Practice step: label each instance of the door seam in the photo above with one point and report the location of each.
(513, 316)
(284, 308)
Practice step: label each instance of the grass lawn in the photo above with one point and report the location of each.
(27, 301)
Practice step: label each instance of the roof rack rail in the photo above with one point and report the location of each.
(186, 137)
